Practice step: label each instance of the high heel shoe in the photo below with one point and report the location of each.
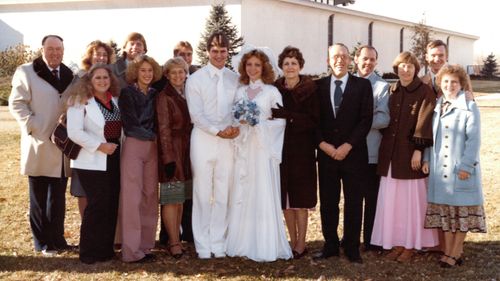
(442, 263)
(458, 262)
(175, 255)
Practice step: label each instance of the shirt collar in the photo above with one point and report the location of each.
(212, 70)
(343, 79)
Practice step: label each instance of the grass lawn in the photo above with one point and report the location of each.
(19, 262)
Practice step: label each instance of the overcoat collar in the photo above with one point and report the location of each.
(65, 75)
(302, 91)
(412, 87)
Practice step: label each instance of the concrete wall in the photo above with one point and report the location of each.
(272, 23)
(278, 24)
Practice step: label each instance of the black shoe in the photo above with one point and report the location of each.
(146, 259)
(373, 248)
(68, 248)
(325, 254)
(354, 257)
(297, 255)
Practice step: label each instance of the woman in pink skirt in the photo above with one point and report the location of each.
(402, 200)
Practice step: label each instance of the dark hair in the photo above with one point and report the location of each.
(291, 52)
(436, 43)
(267, 70)
(91, 48)
(49, 36)
(217, 39)
(133, 69)
(180, 45)
(136, 36)
(360, 48)
(406, 57)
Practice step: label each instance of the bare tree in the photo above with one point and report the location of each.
(422, 35)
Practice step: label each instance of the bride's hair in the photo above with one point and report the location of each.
(268, 74)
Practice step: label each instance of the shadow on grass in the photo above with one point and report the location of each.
(481, 263)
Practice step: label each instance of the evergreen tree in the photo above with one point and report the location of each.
(490, 66)
(419, 40)
(115, 47)
(219, 20)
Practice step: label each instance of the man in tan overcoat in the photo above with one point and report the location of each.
(36, 102)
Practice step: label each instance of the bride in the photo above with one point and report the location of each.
(256, 228)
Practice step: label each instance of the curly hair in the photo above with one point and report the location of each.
(83, 90)
(406, 57)
(89, 53)
(133, 69)
(455, 70)
(291, 52)
(267, 70)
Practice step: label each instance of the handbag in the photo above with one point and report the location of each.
(60, 138)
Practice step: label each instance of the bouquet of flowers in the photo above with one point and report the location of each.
(246, 110)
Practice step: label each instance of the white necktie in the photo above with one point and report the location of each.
(221, 97)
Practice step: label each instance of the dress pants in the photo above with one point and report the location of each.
(97, 232)
(212, 163)
(370, 194)
(333, 175)
(47, 210)
(138, 198)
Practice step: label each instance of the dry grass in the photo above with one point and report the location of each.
(18, 262)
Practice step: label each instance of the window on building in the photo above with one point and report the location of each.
(448, 45)
(330, 30)
(401, 39)
(370, 34)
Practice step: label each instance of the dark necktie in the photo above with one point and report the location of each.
(55, 72)
(337, 96)
(444, 107)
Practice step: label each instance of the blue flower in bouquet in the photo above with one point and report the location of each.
(246, 110)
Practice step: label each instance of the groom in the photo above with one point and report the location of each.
(210, 93)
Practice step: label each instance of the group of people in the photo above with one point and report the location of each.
(228, 154)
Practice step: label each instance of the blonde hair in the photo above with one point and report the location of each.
(175, 62)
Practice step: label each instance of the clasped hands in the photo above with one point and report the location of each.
(339, 153)
(229, 132)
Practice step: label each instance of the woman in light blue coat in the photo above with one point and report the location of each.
(454, 194)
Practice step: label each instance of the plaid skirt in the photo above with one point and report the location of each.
(455, 218)
(175, 192)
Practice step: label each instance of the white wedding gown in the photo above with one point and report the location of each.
(256, 229)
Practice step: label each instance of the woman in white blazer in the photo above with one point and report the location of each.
(94, 122)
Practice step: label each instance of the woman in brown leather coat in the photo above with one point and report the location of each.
(174, 132)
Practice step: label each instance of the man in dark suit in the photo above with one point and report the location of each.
(346, 113)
